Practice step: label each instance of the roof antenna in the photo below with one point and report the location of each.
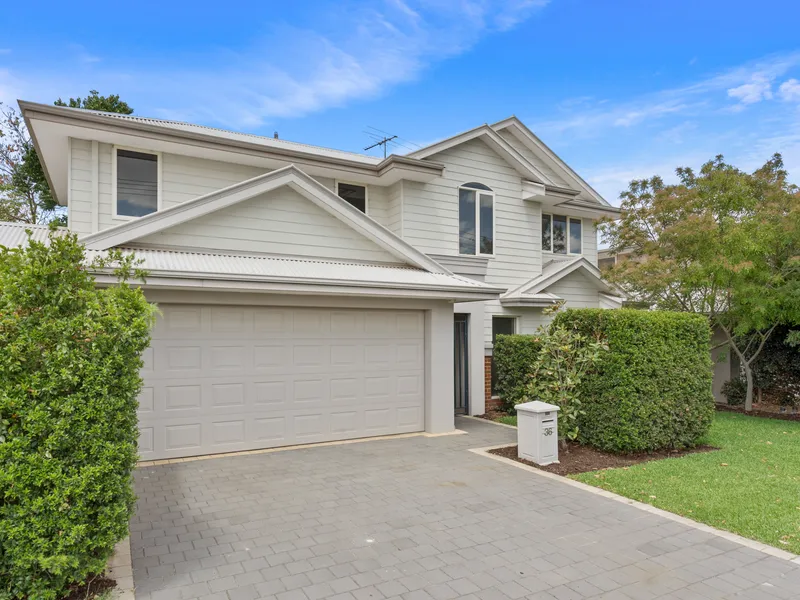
(275, 135)
(384, 142)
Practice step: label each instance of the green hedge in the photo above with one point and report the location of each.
(653, 388)
(69, 381)
(513, 356)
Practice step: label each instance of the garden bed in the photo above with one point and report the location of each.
(582, 459)
(97, 587)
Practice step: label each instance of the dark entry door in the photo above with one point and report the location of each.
(461, 356)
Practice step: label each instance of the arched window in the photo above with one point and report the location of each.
(475, 219)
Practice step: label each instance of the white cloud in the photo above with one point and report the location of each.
(789, 90)
(352, 53)
(756, 90)
(747, 83)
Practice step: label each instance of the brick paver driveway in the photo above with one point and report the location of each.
(417, 518)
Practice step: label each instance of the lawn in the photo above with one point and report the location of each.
(751, 486)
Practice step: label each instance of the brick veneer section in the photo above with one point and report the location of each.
(491, 403)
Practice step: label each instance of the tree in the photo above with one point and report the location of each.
(721, 242)
(25, 195)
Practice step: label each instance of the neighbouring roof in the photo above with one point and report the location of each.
(13, 235)
(534, 292)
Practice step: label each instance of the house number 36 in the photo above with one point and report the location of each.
(548, 431)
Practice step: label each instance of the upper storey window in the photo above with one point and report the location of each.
(353, 193)
(561, 235)
(136, 183)
(475, 219)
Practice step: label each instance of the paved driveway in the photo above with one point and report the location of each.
(418, 519)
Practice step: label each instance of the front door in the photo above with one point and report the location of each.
(461, 356)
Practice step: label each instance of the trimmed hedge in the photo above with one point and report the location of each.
(69, 381)
(513, 356)
(652, 390)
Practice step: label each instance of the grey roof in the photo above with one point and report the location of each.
(259, 267)
(14, 234)
(267, 142)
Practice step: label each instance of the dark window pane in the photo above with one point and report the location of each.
(559, 234)
(500, 326)
(487, 224)
(137, 183)
(354, 194)
(547, 238)
(574, 236)
(477, 186)
(466, 221)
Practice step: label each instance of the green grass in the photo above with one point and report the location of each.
(751, 486)
(507, 420)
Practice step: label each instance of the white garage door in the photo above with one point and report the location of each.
(228, 378)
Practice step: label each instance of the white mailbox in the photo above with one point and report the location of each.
(537, 432)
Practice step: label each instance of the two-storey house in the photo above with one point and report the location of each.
(309, 294)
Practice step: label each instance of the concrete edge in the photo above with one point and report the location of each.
(482, 420)
(398, 436)
(120, 569)
(732, 537)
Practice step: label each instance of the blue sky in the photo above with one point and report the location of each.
(620, 89)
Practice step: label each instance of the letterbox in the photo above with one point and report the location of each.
(537, 432)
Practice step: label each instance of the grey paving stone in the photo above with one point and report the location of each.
(417, 519)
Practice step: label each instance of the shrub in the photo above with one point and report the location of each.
(565, 359)
(735, 390)
(513, 356)
(69, 380)
(652, 390)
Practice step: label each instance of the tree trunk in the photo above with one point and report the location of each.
(748, 399)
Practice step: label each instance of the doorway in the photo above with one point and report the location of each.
(461, 358)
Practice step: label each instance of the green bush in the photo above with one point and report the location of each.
(513, 357)
(652, 390)
(69, 381)
(735, 390)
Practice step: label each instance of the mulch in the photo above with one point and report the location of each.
(757, 412)
(581, 459)
(95, 585)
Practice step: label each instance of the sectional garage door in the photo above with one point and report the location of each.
(228, 378)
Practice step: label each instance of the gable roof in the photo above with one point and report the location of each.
(538, 147)
(495, 142)
(291, 176)
(534, 291)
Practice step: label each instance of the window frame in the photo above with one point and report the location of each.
(569, 237)
(478, 192)
(336, 183)
(159, 177)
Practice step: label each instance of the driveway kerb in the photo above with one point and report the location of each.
(761, 547)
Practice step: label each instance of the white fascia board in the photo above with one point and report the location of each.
(228, 283)
(494, 141)
(541, 283)
(536, 145)
(287, 176)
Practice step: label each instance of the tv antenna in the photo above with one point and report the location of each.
(383, 142)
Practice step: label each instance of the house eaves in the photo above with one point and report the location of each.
(552, 272)
(494, 141)
(51, 127)
(537, 145)
(291, 176)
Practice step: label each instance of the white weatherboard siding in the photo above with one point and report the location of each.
(279, 222)
(430, 218)
(577, 289)
(80, 193)
(535, 159)
(226, 378)
(394, 214)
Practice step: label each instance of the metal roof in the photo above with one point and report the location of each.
(175, 263)
(14, 234)
(267, 142)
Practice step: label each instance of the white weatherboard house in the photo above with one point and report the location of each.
(309, 294)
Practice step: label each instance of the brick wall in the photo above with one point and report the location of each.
(491, 403)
